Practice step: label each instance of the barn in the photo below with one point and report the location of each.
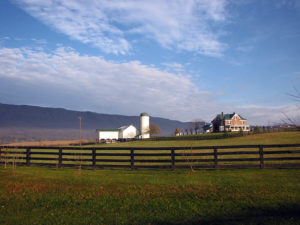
(127, 132)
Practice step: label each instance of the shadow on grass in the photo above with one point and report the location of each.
(281, 215)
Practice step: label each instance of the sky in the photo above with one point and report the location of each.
(177, 59)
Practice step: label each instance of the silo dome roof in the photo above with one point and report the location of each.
(144, 114)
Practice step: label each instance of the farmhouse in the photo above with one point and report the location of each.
(229, 122)
(127, 132)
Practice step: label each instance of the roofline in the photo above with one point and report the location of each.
(111, 130)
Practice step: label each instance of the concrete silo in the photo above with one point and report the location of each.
(145, 125)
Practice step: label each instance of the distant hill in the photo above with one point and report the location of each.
(57, 123)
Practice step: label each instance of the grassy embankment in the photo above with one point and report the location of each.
(40, 195)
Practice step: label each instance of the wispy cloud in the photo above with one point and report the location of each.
(288, 3)
(4, 39)
(63, 77)
(110, 25)
(173, 67)
(39, 41)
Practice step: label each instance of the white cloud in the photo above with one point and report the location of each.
(66, 78)
(108, 25)
(126, 88)
(269, 115)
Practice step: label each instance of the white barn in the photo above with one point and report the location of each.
(105, 134)
(127, 132)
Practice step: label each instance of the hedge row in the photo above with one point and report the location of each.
(201, 136)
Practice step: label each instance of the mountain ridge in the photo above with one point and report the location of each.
(28, 117)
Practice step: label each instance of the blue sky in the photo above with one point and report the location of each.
(178, 59)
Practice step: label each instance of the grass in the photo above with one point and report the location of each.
(292, 137)
(48, 195)
(39, 195)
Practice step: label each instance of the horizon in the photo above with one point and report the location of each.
(180, 60)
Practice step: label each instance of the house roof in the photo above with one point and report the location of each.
(207, 126)
(242, 118)
(125, 127)
(122, 128)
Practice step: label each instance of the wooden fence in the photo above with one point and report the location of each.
(237, 156)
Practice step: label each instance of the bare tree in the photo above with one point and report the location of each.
(154, 129)
(182, 131)
(195, 124)
(186, 131)
(296, 95)
(293, 120)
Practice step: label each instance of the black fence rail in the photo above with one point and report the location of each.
(237, 156)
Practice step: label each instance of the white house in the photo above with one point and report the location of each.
(127, 132)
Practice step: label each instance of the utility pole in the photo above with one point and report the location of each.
(80, 118)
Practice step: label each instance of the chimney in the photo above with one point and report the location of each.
(222, 113)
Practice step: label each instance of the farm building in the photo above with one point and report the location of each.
(229, 122)
(127, 132)
(207, 128)
(124, 132)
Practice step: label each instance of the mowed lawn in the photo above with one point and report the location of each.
(49, 195)
(39, 195)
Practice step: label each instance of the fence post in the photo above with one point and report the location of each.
(60, 157)
(132, 159)
(173, 158)
(28, 156)
(216, 157)
(261, 157)
(94, 157)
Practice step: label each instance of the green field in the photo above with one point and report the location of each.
(38, 195)
(49, 195)
(255, 139)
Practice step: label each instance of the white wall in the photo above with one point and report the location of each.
(129, 132)
(108, 135)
